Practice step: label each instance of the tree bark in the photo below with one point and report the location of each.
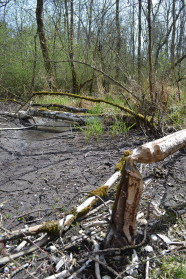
(70, 36)
(123, 223)
(139, 42)
(133, 39)
(118, 39)
(150, 51)
(123, 228)
(43, 43)
(173, 34)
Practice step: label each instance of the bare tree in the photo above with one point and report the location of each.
(4, 3)
(166, 36)
(44, 47)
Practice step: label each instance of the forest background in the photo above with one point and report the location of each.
(131, 49)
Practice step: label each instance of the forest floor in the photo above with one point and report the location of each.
(42, 174)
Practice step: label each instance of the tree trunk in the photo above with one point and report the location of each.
(173, 33)
(123, 227)
(123, 223)
(180, 46)
(118, 39)
(150, 51)
(71, 53)
(90, 23)
(70, 37)
(139, 42)
(133, 39)
(166, 38)
(44, 48)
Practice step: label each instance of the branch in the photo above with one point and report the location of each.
(30, 250)
(178, 61)
(105, 74)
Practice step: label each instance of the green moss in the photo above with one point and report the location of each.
(72, 211)
(52, 228)
(43, 109)
(123, 159)
(100, 192)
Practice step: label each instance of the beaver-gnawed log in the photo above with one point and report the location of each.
(123, 228)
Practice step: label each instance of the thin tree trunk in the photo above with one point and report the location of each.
(181, 37)
(70, 35)
(167, 27)
(150, 51)
(173, 33)
(90, 22)
(43, 43)
(79, 21)
(166, 38)
(133, 39)
(118, 40)
(139, 42)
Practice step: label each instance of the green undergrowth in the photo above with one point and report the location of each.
(94, 127)
(120, 127)
(170, 267)
(178, 115)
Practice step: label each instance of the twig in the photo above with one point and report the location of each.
(20, 128)
(60, 275)
(79, 270)
(31, 249)
(147, 269)
(107, 267)
(97, 269)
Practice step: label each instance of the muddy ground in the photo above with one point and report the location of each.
(42, 172)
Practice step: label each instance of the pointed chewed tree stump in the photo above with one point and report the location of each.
(123, 228)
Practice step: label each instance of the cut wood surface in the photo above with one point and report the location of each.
(159, 149)
(123, 224)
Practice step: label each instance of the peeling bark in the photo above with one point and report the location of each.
(123, 224)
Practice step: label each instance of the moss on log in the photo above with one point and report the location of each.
(138, 117)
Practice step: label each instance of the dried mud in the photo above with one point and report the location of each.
(43, 173)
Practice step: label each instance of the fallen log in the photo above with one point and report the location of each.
(66, 108)
(123, 229)
(159, 149)
(138, 117)
(26, 115)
